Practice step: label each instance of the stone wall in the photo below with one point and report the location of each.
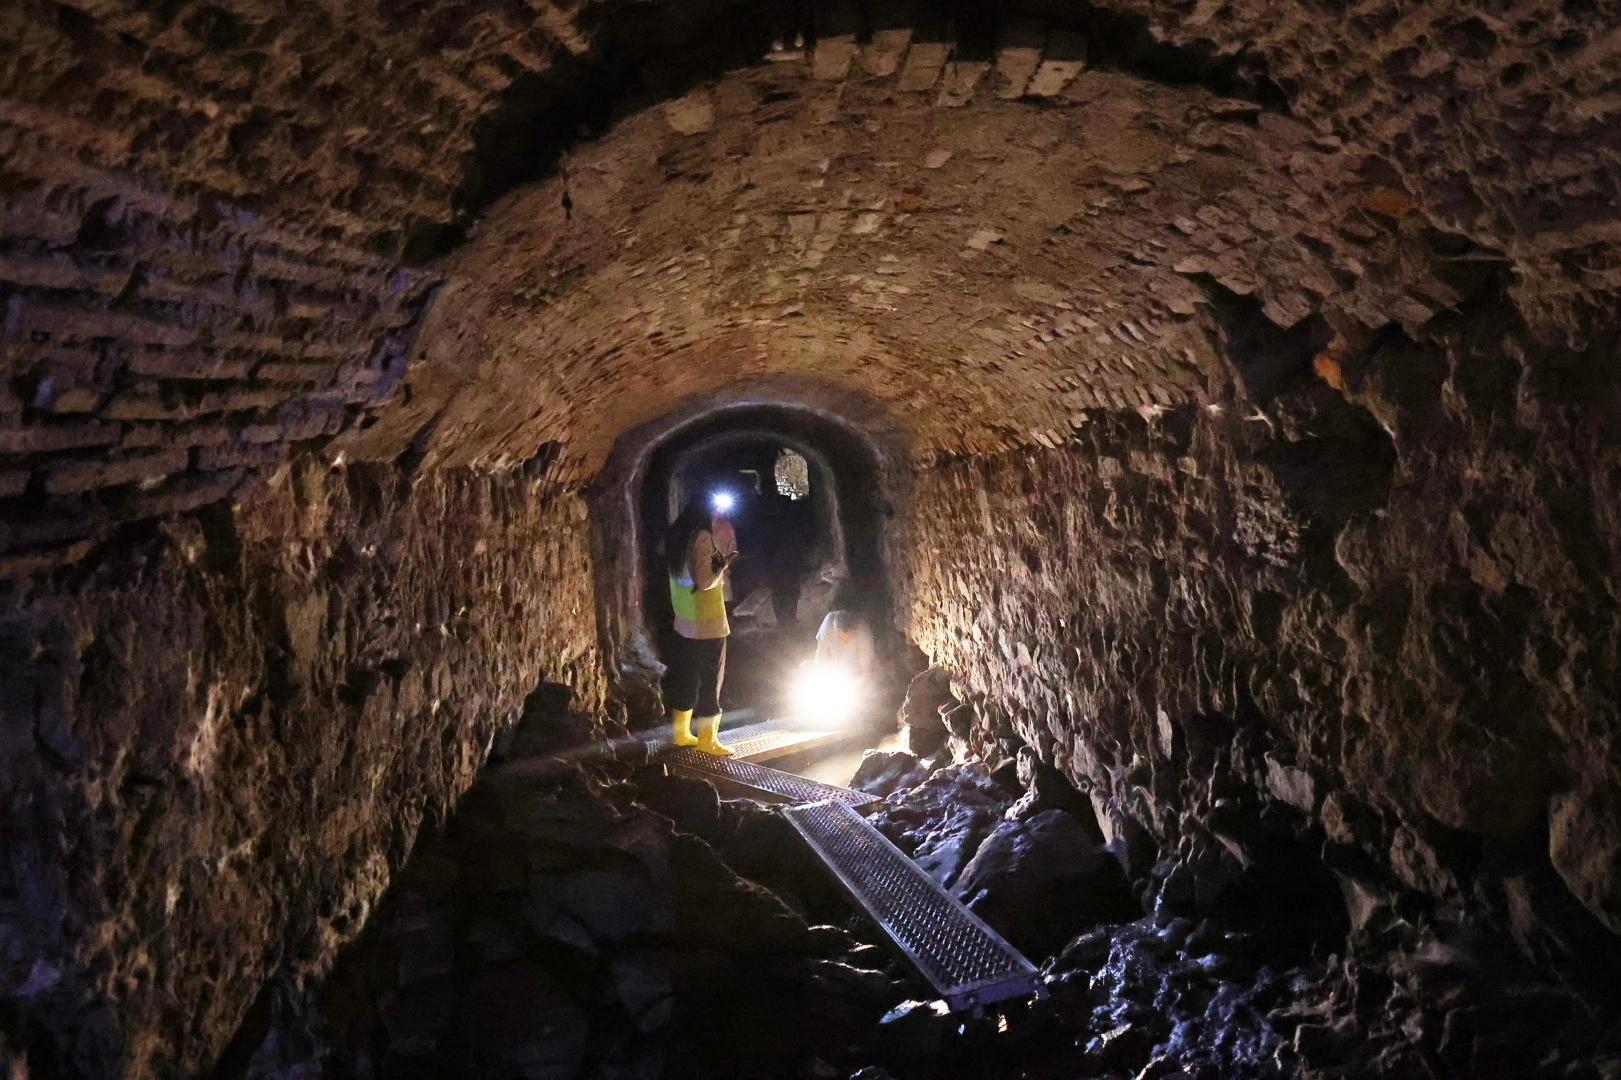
(223, 732)
(1416, 618)
(157, 350)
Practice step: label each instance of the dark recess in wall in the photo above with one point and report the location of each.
(1331, 456)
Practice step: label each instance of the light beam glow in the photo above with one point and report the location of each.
(723, 501)
(826, 692)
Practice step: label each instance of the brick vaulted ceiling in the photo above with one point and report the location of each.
(234, 228)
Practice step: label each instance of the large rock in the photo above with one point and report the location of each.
(1048, 789)
(714, 907)
(1041, 882)
(884, 771)
(942, 821)
(415, 1018)
(613, 903)
(926, 695)
(551, 722)
(1585, 846)
(519, 1024)
(641, 982)
(423, 941)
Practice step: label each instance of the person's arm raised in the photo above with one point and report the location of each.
(705, 573)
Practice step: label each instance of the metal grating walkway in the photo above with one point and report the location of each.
(758, 781)
(759, 742)
(774, 738)
(756, 742)
(967, 962)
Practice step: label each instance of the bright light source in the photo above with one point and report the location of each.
(826, 692)
(723, 501)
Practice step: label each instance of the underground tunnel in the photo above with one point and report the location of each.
(1200, 421)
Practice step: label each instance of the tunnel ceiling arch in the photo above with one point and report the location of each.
(988, 250)
(210, 204)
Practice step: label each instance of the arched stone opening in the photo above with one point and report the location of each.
(738, 462)
(851, 447)
(798, 554)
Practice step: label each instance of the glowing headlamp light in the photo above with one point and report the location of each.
(723, 501)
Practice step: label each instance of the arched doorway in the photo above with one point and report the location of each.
(802, 551)
(858, 468)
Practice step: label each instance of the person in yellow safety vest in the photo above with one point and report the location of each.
(697, 569)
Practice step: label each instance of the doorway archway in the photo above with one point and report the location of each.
(856, 463)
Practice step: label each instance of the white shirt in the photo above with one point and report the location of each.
(852, 647)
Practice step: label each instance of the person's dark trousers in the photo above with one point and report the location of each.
(697, 669)
(785, 599)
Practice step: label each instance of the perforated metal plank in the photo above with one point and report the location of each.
(777, 738)
(967, 962)
(771, 735)
(764, 741)
(760, 742)
(758, 781)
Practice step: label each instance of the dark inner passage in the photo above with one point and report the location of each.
(799, 556)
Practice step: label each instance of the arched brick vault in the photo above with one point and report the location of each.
(873, 470)
(206, 205)
(986, 268)
(1271, 348)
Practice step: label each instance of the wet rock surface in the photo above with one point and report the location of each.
(1271, 947)
(940, 819)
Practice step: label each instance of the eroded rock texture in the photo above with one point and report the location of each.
(222, 735)
(1415, 615)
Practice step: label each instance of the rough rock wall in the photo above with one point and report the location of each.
(1421, 625)
(221, 734)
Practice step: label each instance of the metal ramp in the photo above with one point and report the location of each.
(967, 962)
(779, 738)
(763, 741)
(738, 777)
(754, 742)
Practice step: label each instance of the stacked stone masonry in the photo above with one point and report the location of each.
(222, 737)
(158, 350)
(1447, 655)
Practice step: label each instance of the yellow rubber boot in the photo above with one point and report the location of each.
(681, 728)
(709, 737)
